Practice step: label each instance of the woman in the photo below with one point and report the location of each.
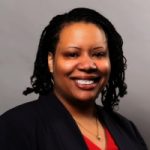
(79, 57)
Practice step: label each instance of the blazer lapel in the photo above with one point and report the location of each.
(121, 136)
(66, 132)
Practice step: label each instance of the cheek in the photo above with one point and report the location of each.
(63, 67)
(105, 67)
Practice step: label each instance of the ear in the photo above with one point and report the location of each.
(50, 62)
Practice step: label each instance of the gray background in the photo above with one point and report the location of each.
(21, 23)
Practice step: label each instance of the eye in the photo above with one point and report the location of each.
(99, 54)
(72, 54)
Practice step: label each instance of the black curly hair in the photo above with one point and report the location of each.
(41, 80)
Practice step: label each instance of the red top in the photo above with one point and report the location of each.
(110, 145)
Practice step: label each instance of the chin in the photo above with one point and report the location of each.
(86, 97)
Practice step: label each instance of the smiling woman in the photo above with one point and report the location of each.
(79, 56)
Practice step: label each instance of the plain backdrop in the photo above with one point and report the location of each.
(21, 24)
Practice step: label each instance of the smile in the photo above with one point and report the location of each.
(86, 82)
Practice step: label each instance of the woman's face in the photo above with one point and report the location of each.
(81, 65)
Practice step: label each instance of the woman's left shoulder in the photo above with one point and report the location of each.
(117, 121)
(113, 116)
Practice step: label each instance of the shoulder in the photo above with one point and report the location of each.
(31, 114)
(121, 126)
(20, 116)
(17, 126)
(23, 109)
(113, 116)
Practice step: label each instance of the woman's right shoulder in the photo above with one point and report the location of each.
(18, 126)
(21, 114)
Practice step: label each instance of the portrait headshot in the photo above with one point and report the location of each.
(70, 82)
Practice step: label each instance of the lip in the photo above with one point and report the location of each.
(83, 86)
(85, 77)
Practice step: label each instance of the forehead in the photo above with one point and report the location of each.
(75, 26)
(79, 31)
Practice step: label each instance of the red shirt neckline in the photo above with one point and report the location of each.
(110, 145)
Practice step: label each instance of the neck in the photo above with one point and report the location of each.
(84, 111)
(79, 109)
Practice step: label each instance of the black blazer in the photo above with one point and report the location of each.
(45, 124)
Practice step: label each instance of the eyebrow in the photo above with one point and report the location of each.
(99, 47)
(78, 48)
(75, 47)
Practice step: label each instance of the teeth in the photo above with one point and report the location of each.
(85, 81)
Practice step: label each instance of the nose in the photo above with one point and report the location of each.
(86, 63)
